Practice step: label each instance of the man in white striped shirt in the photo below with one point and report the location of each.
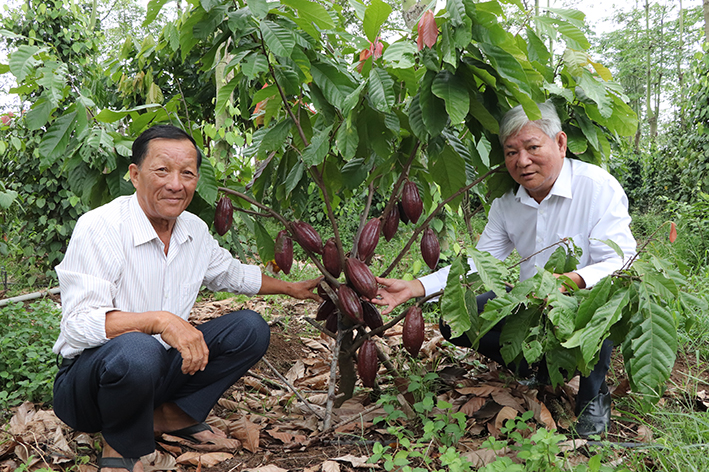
(133, 365)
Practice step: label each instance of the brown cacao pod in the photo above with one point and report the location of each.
(402, 213)
(412, 335)
(349, 301)
(331, 323)
(361, 278)
(367, 363)
(223, 216)
(370, 314)
(430, 248)
(284, 251)
(322, 293)
(368, 239)
(307, 237)
(391, 224)
(411, 201)
(325, 310)
(331, 258)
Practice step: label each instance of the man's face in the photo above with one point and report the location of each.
(166, 180)
(534, 160)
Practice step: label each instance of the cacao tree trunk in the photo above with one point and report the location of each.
(651, 118)
(705, 7)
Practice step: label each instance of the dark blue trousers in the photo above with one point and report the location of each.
(489, 346)
(114, 388)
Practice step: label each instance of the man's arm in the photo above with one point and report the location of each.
(301, 290)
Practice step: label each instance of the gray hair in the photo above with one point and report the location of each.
(515, 119)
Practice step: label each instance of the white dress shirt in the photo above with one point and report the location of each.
(116, 261)
(586, 204)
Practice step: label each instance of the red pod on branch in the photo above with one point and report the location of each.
(370, 314)
(368, 239)
(223, 216)
(430, 248)
(413, 332)
(350, 303)
(307, 237)
(392, 223)
(284, 251)
(411, 201)
(361, 278)
(325, 309)
(367, 363)
(323, 293)
(331, 258)
(331, 323)
(402, 213)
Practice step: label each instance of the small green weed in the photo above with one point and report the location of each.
(27, 364)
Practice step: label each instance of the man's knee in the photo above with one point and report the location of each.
(246, 331)
(133, 357)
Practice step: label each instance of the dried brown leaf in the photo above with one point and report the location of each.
(472, 405)
(482, 457)
(506, 413)
(209, 459)
(356, 461)
(159, 461)
(644, 434)
(480, 391)
(21, 419)
(506, 399)
(247, 432)
(267, 468)
(282, 436)
(572, 444)
(256, 385)
(330, 466)
(296, 372)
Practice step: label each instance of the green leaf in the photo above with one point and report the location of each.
(294, 177)
(254, 65)
(454, 92)
(586, 125)
(22, 61)
(507, 66)
(264, 243)
(319, 146)
(279, 40)
(311, 11)
(154, 7)
(416, 120)
(453, 306)
(400, 54)
(381, 90)
(481, 113)
(347, 140)
(335, 85)
(433, 109)
(56, 138)
(259, 8)
(276, 136)
(39, 115)
(596, 91)
(597, 297)
(515, 331)
(448, 171)
(492, 271)
(613, 246)
(653, 343)
(207, 184)
(224, 95)
(374, 17)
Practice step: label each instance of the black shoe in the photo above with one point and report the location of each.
(595, 417)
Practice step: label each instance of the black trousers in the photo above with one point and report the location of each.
(489, 346)
(114, 388)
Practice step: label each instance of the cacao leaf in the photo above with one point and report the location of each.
(207, 186)
(56, 138)
(454, 92)
(673, 232)
(381, 90)
(448, 171)
(427, 30)
(453, 307)
(311, 11)
(315, 153)
(492, 271)
(279, 40)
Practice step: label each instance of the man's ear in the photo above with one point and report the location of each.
(133, 173)
(561, 140)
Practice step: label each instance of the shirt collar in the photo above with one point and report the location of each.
(144, 232)
(561, 188)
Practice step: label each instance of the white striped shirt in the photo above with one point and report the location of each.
(116, 261)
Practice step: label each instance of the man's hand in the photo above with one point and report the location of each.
(394, 292)
(175, 331)
(302, 290)
(576, 278)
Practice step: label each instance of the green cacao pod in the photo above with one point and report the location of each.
(411, 201)
(367, 363)
(391, 224)
(325, 309)
(331, 258)
(368, 239)
(349, 301)
(307, 237)
(223, 216)
(284, 251)
(370, 314)
(361, 278)
(413, 332)
(430, 248)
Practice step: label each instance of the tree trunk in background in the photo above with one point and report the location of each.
(221, 121)
(705, 5)
(680, 73)
(651, 118)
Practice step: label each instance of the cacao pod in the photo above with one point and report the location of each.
(331, 323)
(350, 304)
(370, 314)
(284, 251)
(402, 213)
(361, 278)
(391, 224)
(411, 201)
(331, 258)
(307, 237)
(412, 335)
(368, 239)
(367, 363)
(325, 309)
(223, 216)
(322, 293)
(430, 248)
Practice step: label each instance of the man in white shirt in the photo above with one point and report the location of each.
(133, 365)
(557, 198)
